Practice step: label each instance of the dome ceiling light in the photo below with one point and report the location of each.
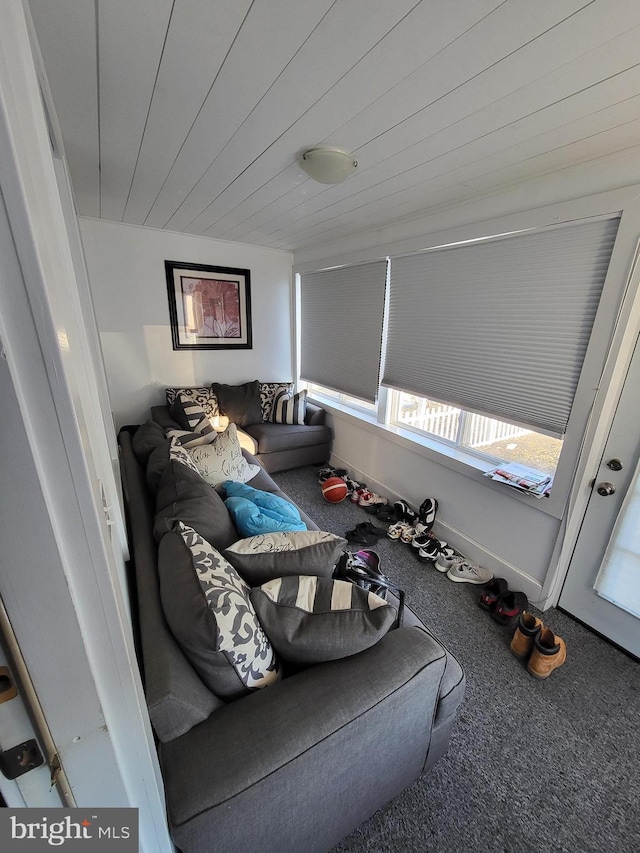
(328, 165)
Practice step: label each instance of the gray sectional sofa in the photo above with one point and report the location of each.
(277, 446)
(297, 765)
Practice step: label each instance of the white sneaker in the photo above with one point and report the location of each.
(396, 530)
(448, 561)
(464, 572)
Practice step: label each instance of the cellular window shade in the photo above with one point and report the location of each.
(342, 312)
(499, 327)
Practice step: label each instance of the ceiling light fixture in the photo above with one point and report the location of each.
(328, 165)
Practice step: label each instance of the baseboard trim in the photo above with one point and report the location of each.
(474, 551)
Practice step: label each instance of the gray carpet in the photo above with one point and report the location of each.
(532, 766)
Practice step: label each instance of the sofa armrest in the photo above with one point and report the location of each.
(314, 415)
(393, 686)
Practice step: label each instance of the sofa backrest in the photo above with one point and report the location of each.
(176, 698)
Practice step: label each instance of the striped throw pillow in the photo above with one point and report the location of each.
(268, 391)
(289, 408)
(196, 428)
(312, 619)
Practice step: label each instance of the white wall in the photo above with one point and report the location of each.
(127, 276)
(477, 520)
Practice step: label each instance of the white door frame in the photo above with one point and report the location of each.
(60, 585)
(578, 596)
(626, 254)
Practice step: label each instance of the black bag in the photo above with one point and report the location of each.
(363, 569)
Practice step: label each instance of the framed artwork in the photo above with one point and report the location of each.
(209, 307)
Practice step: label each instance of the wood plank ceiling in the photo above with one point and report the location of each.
(191, 115)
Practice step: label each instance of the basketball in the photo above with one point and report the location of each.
(334, 490)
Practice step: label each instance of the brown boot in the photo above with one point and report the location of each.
(549, 652)
(528, 627)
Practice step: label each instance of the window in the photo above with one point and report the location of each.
(341, 317)
(499, 326)
(343, 399)
(487, 438)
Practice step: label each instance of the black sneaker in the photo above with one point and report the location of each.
(508, 607)
(427, 512)
(404, 512)
(495, 589)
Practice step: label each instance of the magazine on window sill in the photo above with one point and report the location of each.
(522, 478)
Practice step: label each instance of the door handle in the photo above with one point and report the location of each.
(606, 489)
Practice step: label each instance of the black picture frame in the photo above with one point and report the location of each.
(209, 306)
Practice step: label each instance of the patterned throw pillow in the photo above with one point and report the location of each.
(204, 397)
(196, 429)
(268, 391)
(178, 453)
(213, 619)
(289, 408)
(297, 552)
(223, 460)
(310, 620)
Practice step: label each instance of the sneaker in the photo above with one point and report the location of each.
(508, 607)
(325, 473)
(464, 572)
(427, 512)
(395, 530)
(549, 652)
(432, 551)
(404, 512)
(370, 499)
(429, 553)
(423, 538)
(352, 485)
(408, 534)
(446, 562)
(496, 588)
(357, 493)
(386, 512)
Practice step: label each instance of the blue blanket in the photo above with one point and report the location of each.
(254, 511)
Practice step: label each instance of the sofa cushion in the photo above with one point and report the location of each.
(145, 439)
(204, 397)
(240, 403)
(301, 552)
(157, 462)
(268, 391)
(207, 607)
(184, 496)
(310, 619)
(223, 460)
(272, 438)
(289, 408)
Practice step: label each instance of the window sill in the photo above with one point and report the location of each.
(452, 457)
